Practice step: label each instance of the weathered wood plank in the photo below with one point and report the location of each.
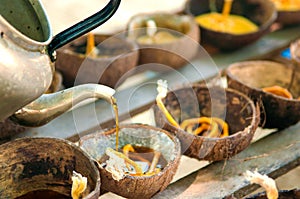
(273, 155)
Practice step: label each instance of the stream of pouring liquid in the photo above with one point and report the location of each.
(91, 52)
(115, 107)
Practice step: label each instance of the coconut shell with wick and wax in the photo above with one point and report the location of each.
(288, 12)
(131, 186)
(261, 12)
(172, 40)
(235, 108)
(96, 58)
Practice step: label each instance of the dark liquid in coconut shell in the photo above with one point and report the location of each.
(44, 194)
(146, 154)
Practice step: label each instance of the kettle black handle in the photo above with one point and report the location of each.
(83, 27)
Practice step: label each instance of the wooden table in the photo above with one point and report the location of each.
(273, 155)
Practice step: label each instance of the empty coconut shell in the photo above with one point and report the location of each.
(250, 77)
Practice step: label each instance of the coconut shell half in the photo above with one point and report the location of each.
(234, 107)
(261, 12)
(136, 134)
(45, 164)
(250, 77)
(116, 56)
(289, 18)
(169, 55)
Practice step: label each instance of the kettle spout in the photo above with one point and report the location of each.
(49, 106)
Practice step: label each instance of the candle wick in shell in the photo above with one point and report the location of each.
(151, 28)
(79, 185)
(90, 46)
(162, 92)
(226, 8)
(212, 6)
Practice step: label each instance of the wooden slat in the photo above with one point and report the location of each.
(273, 155)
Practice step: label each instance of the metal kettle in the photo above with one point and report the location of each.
(27, 55)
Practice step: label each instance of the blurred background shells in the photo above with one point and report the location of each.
(261, 12)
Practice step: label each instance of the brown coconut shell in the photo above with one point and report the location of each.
(136, 134)
(234, 107)
(288, 18)
(172, 54)
(32, 164)
(262, 12)
(117, 56)
(250, 77)
(8, 129)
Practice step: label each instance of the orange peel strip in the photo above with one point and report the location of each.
(224, 126)
(203, 127)
(187, 122)
(128, 148)
(154, 162)
(214, 132)
(278, 90)
(169, 117)
(211, 124)
(214, 129)
(136, 167)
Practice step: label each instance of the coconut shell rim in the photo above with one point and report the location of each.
(261, 28)
(111, 130)
(96, 190)
(235, 78)
(132, 51)
(182, 37)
